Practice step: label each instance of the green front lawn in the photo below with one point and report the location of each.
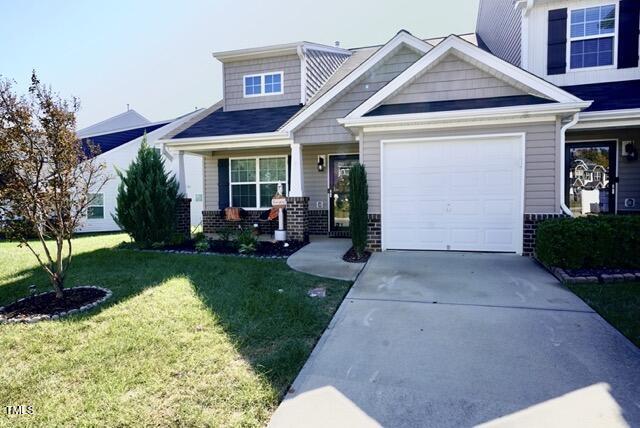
(617, 303)
(186, 340)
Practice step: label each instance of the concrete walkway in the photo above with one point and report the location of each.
(323, 257)
(460, 339)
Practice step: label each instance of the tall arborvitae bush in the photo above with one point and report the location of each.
(358, 207)
(146, 201)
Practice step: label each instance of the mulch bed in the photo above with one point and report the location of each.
(599, 272)
(351, 256)
(47, 306)
(264, 249)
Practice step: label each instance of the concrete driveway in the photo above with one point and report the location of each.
(463, 339)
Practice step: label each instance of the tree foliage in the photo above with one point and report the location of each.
(359, 206)
(46, 174)
(146, 200)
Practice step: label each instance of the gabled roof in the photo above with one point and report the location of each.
(112, 140)
(253, 121)
(480, 58)
(337, 87)
(127, 120)
(608, 95)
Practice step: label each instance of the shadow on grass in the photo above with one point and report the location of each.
(261, 304)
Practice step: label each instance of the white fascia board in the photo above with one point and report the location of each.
(326, 48)
(608, 119)
(238, 138)
(273, 50)
(471, 114)
(455, 43)
(397, 40)
(228, 145)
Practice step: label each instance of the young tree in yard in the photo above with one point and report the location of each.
(46, 174)
(146, 199)
(359, 206)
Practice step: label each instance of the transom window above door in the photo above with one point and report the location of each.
(256, 85)
(254, 181)
(592, 36)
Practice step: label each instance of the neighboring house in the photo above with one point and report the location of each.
(463, 149)
(119, 139)
(590, 48)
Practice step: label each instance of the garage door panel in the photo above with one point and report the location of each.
(453, 194)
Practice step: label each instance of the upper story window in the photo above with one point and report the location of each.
(592, 36)
(95, 208)
(263, 84)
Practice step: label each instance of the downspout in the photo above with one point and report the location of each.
(563, 131)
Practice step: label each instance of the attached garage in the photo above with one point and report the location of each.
(453, 193)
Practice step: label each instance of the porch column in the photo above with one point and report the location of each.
(297, 181)
(182, 181)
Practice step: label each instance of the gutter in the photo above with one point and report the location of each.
(563, 132)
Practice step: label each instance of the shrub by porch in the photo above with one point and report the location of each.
(590, 242)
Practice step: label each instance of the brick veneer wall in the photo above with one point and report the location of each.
(374, 232)
(183, 217)
(297, 223)
(318, 222)
(530, 226)
(212, 221)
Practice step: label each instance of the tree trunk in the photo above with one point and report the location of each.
(57, 282)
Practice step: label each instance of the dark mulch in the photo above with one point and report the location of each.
(47, 304)
(263, 249)
(351, 256)
(599, 271)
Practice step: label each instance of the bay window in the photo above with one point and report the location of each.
(254, 181)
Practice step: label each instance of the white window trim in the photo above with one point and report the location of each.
(92, 205)
(262, 84)
(570, 39)
(257, 182)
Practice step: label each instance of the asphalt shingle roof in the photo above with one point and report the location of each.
(110, 141)
(466, 104)
(252, 121)
(608, 95)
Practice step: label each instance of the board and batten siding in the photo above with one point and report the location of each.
(541, 160)
(315, 182)
(234, 73)
(453, 79)
(628, 171)
(324, 128)
(498, 26)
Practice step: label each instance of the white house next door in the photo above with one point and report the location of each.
(462, 193)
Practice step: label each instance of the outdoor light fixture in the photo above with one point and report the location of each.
(630, 151)
(321, 163)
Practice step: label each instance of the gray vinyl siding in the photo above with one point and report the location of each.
(324, 128)
(628, 172)
(320, 66)
(234, 73)
(498, 26)
(541, 161)
(453, 79)
(315, 182)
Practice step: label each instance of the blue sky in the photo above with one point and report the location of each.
(156, 55)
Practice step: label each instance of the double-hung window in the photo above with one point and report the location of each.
(254, 181)
(592, 36)
(263, 84)
(95, 208)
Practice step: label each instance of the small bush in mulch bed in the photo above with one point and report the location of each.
(352, 257)
(46, 306)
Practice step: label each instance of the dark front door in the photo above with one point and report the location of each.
(339, 167)
(590, 177)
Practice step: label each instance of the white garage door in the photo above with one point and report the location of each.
(453, 194)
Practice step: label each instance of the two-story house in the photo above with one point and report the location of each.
(589, 48)
(463, 146)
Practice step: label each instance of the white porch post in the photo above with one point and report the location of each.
(297, 181)
(182, 181)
